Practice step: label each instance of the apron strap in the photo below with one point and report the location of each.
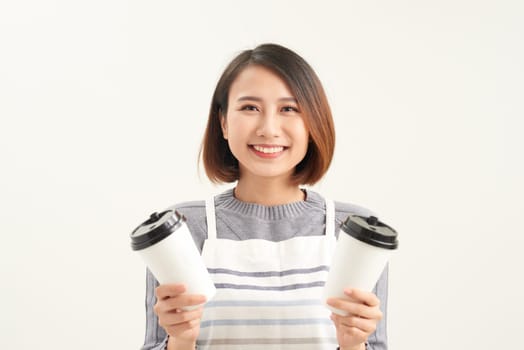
(330, 218)
(210, 218)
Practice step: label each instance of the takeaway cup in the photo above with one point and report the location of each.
(362, 251)
(167, 248)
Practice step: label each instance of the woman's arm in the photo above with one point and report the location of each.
(155, 337)
(378, 340)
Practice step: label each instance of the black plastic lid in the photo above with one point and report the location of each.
(156, 228)
(371, 231)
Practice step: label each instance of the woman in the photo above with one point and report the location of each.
(267, 242)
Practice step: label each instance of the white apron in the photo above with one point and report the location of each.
(268, 293)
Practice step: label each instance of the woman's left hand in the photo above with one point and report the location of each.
(363, 316)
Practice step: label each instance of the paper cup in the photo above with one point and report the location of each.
(166, 246)
(363, 249)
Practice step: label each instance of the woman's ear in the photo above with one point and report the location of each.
(223, 124)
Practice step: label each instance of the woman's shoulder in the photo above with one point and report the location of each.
(198, 207)
(189, 208)
(195, 214)
(351, 208)
(343, 208)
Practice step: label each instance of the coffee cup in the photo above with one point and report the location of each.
(363, 249)
(166, 246)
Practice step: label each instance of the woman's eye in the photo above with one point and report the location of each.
(248, 108)
(289, 109)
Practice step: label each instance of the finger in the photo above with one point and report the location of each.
(172, 304)
(352, 335)
(174, 318)
(185, 300)
(365, 325)
(355, 308)
(367, 298)
(165, 291)
(182, 327)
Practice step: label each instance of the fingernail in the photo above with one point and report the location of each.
(348, 291)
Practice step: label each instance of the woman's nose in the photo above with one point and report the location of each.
(269, 125)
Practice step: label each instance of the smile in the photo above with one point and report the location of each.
(268, 150)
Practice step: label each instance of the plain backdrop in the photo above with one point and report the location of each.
(103, 104)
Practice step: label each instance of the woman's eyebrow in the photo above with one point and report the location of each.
(249, 98)
(288, 99)
(258, 99)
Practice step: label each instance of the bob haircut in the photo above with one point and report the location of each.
(220, 164)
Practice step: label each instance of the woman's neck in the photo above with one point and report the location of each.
(268, 192)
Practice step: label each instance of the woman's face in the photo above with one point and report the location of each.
(264, 126)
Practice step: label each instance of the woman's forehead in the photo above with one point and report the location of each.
(257, 82)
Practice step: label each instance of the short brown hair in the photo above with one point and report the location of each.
(220, 164)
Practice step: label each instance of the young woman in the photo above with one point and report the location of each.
(267, 242)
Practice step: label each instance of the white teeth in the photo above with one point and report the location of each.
(269, 149)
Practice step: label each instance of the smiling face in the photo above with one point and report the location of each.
(264, 126)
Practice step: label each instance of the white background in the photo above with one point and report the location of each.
(103, 104)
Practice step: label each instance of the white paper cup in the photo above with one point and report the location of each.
(363, 249)
(168, 250)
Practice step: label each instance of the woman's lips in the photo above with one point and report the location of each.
(267, 151)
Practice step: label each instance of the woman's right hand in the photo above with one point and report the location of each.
(182, 326)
